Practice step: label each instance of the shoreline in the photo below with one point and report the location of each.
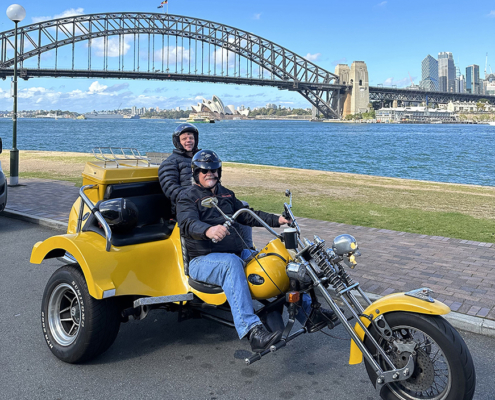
(336, 173)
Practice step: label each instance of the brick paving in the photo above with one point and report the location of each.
(461, 272)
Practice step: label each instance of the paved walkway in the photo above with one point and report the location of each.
(461, 272)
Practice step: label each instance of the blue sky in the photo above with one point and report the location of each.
(391, 36)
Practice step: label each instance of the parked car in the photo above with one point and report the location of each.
(3, 185)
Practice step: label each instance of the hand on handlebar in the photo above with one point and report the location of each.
(283, 220)
(217, 233)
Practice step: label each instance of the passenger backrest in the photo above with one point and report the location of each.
(148, 197)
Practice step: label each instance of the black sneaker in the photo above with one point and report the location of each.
(260, 339)
(319, 318)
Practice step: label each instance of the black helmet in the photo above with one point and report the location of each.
(183, 128)
(206, 159)
(121, 214)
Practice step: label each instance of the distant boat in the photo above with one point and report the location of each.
(491, 123)
(200, 121)
(135, 116)
(103, 115)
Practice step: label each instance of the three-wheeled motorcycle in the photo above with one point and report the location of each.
(110, 275)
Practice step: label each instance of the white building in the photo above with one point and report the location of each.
(419, 114)
(470, 107)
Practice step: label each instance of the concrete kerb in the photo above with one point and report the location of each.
(468, 323)
(49, 223)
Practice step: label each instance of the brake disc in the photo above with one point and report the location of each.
(424, 372)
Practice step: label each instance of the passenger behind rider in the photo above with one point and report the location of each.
(221, 263)
(175, 172)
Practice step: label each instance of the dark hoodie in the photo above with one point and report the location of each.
(194, 220)
(175, 172)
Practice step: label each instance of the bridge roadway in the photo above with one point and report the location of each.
(377, 93)
(381, 93)
(28, 73)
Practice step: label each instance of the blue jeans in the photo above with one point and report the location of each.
(227, 270)
(246, 233)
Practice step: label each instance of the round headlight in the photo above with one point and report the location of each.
(344, 244)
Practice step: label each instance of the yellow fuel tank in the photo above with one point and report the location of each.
(266, 274)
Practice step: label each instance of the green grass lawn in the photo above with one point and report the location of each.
(430, 208)
(435, 223)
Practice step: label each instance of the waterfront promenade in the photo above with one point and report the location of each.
(461, 272)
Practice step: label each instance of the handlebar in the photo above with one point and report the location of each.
(86, 201)
(287, 214)
(229, 221)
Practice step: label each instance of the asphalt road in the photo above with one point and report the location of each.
(158, 358)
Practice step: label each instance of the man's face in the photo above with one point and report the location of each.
(209, 179)
(187, 141)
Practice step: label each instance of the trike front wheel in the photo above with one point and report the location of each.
(443, 368)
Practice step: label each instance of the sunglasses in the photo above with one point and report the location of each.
(205, 171)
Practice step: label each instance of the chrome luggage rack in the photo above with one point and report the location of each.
(120, 155)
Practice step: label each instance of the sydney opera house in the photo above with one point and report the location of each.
(215, 108)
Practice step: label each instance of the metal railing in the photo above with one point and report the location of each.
(119, 155)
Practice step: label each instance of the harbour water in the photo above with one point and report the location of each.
(443, 153)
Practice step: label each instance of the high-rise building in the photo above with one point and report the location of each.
(490, 85)
(473, 79)
(446, 72)
(460, 84)
(429, 74)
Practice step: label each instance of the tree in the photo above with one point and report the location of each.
(480, 106)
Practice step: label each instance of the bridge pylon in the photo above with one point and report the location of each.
(356, 98)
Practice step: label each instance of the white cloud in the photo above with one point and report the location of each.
(71, 12)
(112, 46)
(312, 57)
(399, 83)
(170, 53)
(491, 14)
(96, 87)
(381, 4)
(257, 16)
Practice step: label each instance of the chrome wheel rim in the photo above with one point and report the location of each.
(432, 378)
(64, 314)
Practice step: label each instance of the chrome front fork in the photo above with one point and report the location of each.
(351, 302)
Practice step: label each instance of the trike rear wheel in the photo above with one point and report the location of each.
(76, 327)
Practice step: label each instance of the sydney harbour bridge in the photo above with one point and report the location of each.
(172, 47)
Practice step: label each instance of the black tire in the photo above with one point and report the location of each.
(76, 326)
(440, 345)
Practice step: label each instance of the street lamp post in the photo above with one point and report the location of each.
(16, 13)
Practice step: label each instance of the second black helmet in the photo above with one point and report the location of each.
(185, 128)
(206, 159)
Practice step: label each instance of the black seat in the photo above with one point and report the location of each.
(154, 213)
(197, 285)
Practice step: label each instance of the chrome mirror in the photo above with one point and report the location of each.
(209, 202)
(288, 194)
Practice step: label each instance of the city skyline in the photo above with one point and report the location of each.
(396, 65)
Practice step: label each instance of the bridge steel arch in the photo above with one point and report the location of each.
(276, 65)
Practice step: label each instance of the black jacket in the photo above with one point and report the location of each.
(194, 220)
(175, 175)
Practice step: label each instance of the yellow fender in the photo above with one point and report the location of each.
(147, 269)
(390, 303)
